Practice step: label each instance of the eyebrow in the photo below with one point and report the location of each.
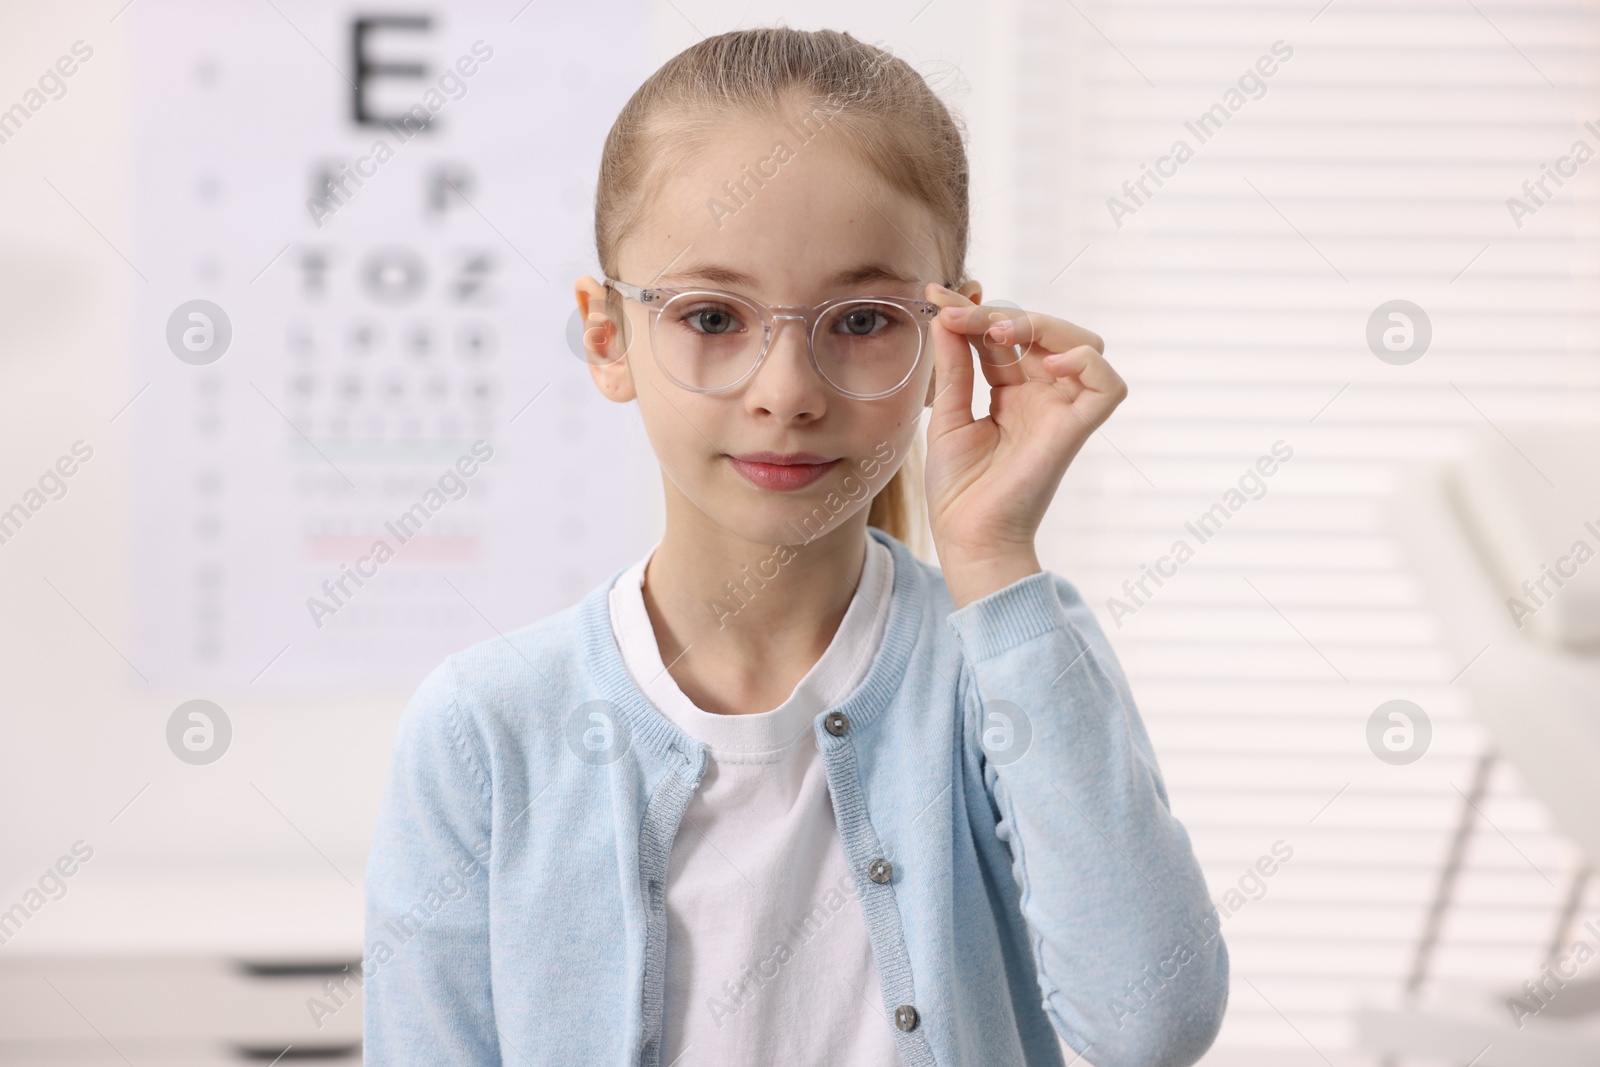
(717, 274)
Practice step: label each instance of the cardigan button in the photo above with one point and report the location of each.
(905, 1017)
(880, 870)
(836, 723)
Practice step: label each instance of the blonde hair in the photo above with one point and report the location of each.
(883, 111)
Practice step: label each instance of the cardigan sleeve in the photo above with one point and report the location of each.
(1132, 967)
(426, 990)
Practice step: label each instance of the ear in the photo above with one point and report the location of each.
(604, 342)
(972, 289)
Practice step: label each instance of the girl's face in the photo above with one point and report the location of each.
(819, 226)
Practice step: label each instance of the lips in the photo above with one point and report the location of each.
(782, 472)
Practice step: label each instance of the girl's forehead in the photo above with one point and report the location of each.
(751, 203)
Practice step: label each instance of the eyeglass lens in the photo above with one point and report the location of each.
(863, 347)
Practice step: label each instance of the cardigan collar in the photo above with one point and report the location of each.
(650, 731)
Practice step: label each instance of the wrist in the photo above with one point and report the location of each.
(972, 578)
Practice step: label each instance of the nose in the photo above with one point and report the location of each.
(786, 384)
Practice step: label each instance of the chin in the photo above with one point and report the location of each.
(795, 520)
(801, 524)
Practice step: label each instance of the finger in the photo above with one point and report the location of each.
(1070, 363)
(1088, 381)
(952, 400)
(1001, 362)
(1001, 365)
(1014, 340)
(938, 294)
(1090, 368)
(996, 360)
(1028, 328)
(1061, 369)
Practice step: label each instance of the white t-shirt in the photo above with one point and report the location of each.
(768, 959)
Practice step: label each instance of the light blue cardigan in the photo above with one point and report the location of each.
(992, 756)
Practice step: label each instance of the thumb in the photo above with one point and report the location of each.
(953, 375)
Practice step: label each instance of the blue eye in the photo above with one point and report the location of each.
(868, 321)
(711, 319)
(861, 321)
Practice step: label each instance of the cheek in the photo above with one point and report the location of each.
(685, 429)
(672, 437)
(885, 441)
(907, 416)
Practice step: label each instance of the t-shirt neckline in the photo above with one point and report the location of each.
(766, 735)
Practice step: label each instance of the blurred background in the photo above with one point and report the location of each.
(1343, 533)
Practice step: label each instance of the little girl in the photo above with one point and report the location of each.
(781, 792)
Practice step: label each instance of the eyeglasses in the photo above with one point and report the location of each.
(707, 341)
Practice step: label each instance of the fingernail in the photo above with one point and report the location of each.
(997, 332)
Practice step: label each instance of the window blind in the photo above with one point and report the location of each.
(1234, 289)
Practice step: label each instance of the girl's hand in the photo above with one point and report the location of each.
(990, 480)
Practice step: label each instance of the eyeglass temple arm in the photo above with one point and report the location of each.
(632, 292)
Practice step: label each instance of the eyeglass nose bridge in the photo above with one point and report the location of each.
(809, 318)
(798, 313)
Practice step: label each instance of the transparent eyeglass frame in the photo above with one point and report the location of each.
(656, 299)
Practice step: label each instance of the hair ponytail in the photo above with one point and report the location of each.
(899, 509)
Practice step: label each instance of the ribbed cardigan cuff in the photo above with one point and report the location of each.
(1006, 618)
